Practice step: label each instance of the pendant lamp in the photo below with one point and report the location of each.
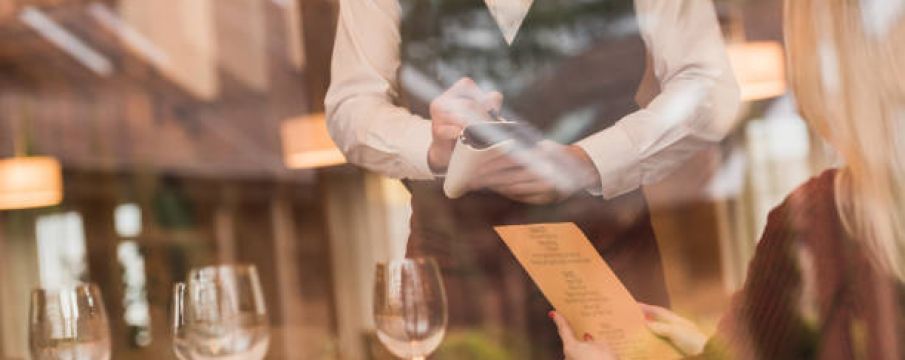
(30, 182)
(307, 144)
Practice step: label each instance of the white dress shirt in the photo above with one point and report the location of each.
(696, 105)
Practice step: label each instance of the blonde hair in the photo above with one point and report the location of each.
(847, 69)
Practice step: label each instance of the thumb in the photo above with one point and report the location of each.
(662, 329)
(688, 342)
(658, 314)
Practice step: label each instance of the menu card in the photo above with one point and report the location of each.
(583, 288)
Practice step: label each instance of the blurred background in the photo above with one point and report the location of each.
(170, 134)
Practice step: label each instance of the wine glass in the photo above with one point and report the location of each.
(219, 313)
(68, 324)
(410, 307)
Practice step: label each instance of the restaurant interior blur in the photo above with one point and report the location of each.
(140, 139)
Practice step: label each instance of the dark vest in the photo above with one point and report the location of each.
(572, 69)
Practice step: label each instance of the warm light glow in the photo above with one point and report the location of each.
(315, 158)
(306, 143)
(29, 182)
(759, 68)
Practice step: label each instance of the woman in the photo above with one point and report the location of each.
(827, 279)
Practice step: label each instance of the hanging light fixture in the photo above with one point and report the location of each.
(759, 67)
(307, 144)
(30, 182)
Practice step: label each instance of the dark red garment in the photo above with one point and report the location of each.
(812, 292)
(489, 290)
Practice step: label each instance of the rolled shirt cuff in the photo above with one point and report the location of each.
(413, 148)
(616, 159)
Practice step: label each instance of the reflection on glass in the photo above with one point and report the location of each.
(127, 220)
(62, 253)
(410, 307)
(68, 324)
(135, 293)
(220, 314)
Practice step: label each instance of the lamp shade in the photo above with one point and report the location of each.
(307, 144)
(759, 68)
(30, 182)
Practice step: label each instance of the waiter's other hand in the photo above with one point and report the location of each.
(462, 104)
(575, 349)
(547, 174)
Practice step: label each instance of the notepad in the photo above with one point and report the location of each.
(481, 143)
(583, 288)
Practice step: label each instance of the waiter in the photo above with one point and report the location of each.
(408, 75)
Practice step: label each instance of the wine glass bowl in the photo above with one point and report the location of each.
(219, 313)
(68, 324)
(410, 307)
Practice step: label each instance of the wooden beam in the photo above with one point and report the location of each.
(12, 7)
(3, 273)
(241, 36)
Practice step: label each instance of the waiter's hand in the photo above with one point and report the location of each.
(549, 173)
(462, 104)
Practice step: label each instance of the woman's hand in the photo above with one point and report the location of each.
(683, 334)
(575, 349)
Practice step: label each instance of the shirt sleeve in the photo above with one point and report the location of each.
(695, 108)
(362, 116)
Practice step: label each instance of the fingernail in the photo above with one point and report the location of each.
(588, 337)
(648, 316)
(552, 314)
